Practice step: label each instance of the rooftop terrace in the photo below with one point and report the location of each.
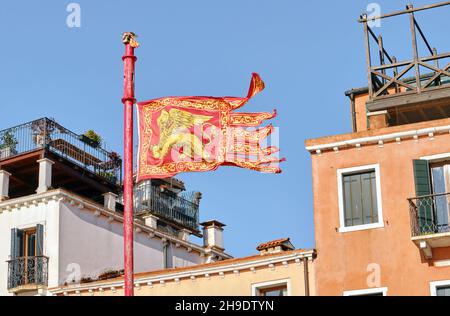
(81, 165)
(410, 90)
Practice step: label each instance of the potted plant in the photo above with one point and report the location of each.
(92, 138)
(108, 175)
(8, 145)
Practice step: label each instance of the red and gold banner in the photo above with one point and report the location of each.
(193, 134)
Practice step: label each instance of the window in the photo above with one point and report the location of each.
(443, 291)
(167, 256)
(359, 198)
(382, 291)
(432, 180)
(27, 242)
(440, 288)
(273, 288)
(27, 265)
(274, 291)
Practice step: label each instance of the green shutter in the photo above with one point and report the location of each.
(14, 243)
(423, 188)
(422, 177)
(360, 199)
(39, 240)
(16, 252)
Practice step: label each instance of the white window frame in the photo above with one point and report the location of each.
(436, 158)
(382, 290)
(259, 286)
(340, 174)
(434, 285)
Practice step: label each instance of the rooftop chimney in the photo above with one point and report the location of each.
(213, 235)
(275, 246)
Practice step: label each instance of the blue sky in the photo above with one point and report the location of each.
(308, 53)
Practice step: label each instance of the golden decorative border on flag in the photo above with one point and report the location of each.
(196, 134)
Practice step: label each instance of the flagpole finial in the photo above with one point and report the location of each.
(130, 38)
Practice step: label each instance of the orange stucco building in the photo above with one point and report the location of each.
(381, 201)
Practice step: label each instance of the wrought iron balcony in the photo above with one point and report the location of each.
(78, 149)
(181, 209)
(430, 222)
(27, 272)
(429, 214)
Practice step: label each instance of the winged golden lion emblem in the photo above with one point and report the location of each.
(174, 128)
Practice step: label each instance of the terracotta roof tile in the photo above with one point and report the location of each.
(273, 243)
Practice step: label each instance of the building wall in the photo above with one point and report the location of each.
(81, 239)
(361, 113)
(228, 284)
(23, 217)
(346, 260)
(93, 244)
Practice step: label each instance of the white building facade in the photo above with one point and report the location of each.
(79, 240)
(52, 236)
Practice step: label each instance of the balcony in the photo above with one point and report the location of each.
(430, 222)
(81, 165)
(412, 90)
(180, 209)
(27, 273)
(47, 134)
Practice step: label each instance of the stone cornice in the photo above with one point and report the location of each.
(380, 139)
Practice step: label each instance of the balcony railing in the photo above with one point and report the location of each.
(387, 76)
(429, 214)
(181, 209)
(27, 271)
(78, 149)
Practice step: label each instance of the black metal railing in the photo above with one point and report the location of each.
(429, 214)
(27, 271)
(80, 150)
(181, 209)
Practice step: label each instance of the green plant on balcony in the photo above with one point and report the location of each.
(111, 176)
(8, 145)
(92, 138)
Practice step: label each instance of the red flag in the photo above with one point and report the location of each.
(193, 134)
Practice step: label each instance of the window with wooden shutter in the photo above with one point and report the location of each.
(39, 240)
(17, 250)
(443, 291)
(423, 188)
(15, 243)
(360, 198)
(422, 177)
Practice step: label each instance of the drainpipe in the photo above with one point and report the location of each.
(306, 276)
(353, 111)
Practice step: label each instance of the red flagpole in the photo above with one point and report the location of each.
(128, 100)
